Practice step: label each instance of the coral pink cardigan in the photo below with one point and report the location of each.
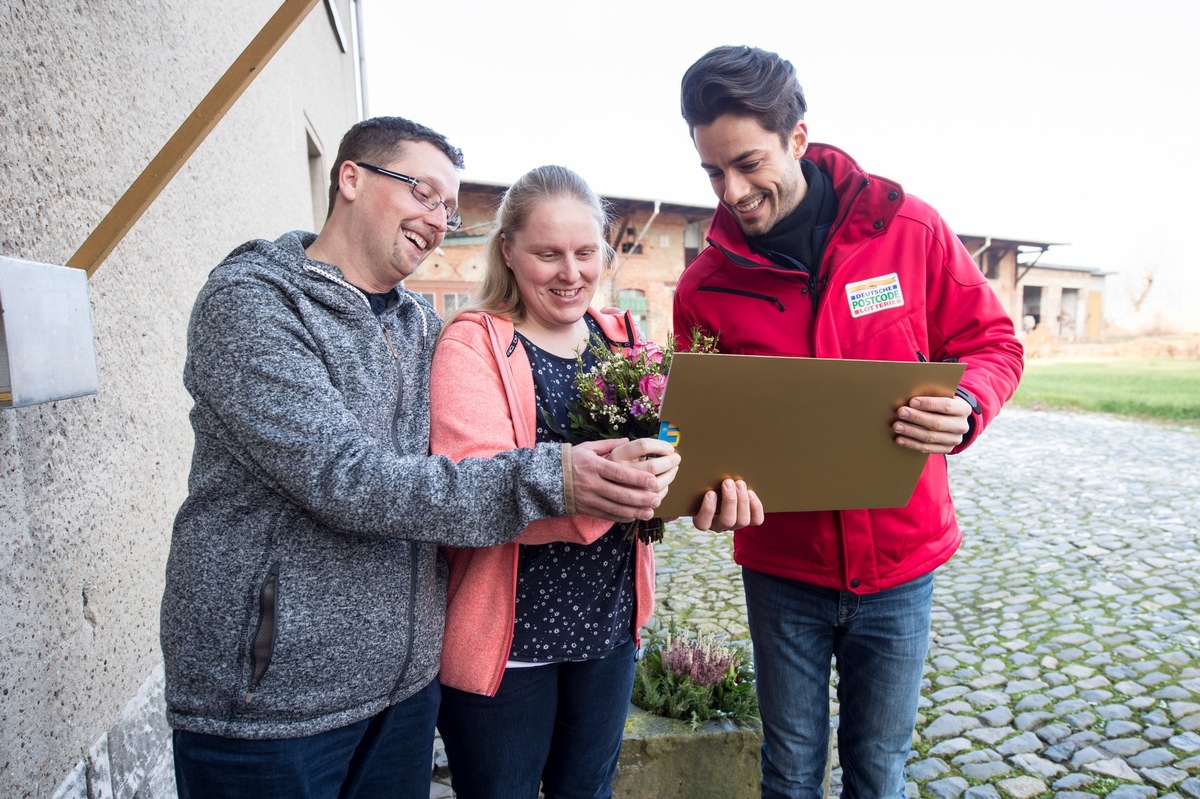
(483, 401)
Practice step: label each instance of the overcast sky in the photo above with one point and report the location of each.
(1045, 120)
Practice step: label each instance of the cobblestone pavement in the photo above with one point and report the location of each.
(1065, 650)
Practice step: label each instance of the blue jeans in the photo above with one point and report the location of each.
(388, 755)
(559, 724)
(879, 642)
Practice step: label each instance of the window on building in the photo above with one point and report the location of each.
(693, 240)
(318, 181)
(1031, 306)
(1068, 318)
(991, 265)
(335, 22)
(452, 301)
(445, 296)
(634, 300)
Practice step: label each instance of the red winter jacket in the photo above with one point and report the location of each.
(897, 285)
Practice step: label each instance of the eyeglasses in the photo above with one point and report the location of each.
(426, 195)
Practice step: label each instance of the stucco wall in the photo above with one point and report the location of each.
(89, 486)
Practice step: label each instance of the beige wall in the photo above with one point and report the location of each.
(1070, 302)
(90, 486)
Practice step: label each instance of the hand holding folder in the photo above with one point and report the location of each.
(804, 433)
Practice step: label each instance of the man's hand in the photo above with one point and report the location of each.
(934, 425)
(651, 455)
(621, 492)
(736, 507)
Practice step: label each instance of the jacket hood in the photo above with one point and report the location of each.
(284, 260)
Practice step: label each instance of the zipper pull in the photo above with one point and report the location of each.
(387, 336)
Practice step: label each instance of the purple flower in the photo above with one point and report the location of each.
(705, 662)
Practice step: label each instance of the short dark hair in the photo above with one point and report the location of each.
(744, 81)
(380, 140)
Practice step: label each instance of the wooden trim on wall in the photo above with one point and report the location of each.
(159, 172)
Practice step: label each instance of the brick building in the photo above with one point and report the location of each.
(656, 240)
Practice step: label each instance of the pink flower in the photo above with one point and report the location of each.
(604, 388)
(652, 352)
(653, 387)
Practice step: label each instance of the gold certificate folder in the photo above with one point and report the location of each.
(804, 433)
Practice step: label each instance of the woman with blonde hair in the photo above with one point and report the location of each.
(537, 662)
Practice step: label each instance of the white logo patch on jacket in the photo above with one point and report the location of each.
(874, 294)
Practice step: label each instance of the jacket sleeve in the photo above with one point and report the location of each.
(967, 323)
(267, 407)
(471, 418)
(682, 322)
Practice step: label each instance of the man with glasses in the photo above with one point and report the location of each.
(426, 195)
(303, 613)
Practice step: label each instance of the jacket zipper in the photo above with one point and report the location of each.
(412, 545)
(818, 286)
(387, 336)
(412, 614)
(751, 294)
(263, 645)
(921, 357)
(512, 616)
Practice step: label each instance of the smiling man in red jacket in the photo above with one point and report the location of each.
(810, 256)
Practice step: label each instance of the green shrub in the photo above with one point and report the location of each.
(695, 678)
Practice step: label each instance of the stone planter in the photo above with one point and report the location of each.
(666, 759)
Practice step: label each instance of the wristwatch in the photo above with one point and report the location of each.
(975, 410)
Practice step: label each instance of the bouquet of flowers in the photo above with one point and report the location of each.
(621, 398)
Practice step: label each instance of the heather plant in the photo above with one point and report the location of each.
(695, 678)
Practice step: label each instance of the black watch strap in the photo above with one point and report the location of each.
(970, 398)
(975, 411)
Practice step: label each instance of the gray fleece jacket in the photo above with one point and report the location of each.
(304, 590)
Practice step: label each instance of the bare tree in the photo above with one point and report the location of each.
(1140, 283)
